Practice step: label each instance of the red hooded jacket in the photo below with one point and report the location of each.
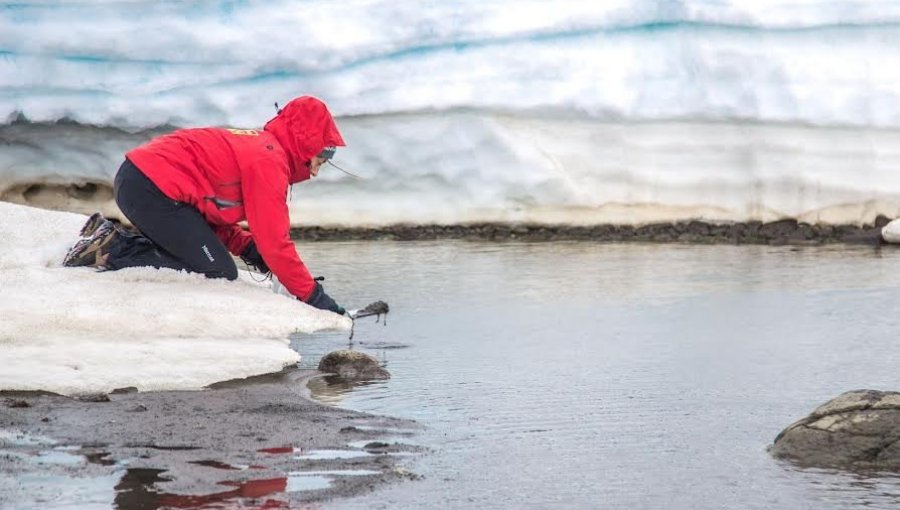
(232, 175)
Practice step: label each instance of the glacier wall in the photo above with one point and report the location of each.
(515, 111)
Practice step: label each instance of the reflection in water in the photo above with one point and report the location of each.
(333, 454)
(863, 488)
(331, 389)
(277, 450)
(216, 464)
(136, 491)
(138, 488)
(99, 458)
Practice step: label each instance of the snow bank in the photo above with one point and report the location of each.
(75, 330)
(470, 167)
(144, 63)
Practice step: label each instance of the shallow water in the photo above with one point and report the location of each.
(583, 375)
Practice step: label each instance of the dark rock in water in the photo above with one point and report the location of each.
(125, 390)
(858, 429)
(353, 366)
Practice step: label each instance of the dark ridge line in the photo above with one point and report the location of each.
(18, 119)
(781, 232)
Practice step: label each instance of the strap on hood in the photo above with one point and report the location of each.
(303, 128)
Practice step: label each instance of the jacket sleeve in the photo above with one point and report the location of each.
(233, 237)
(265, 204)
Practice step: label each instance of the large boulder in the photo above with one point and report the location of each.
(858, 429)
(353, 366)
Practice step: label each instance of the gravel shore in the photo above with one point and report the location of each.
(260, 441)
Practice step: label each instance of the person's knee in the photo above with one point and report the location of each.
(231, 273)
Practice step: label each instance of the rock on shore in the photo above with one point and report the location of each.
(858, 429)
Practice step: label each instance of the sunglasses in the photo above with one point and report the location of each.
(327, 153)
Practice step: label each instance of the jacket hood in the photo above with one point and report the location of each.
(303, 128)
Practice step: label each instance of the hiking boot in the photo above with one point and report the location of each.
(90, 226)
(93, 251)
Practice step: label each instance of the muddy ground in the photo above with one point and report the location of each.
(782, 232)
(256, 443)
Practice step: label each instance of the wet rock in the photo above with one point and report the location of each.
(406, 473)
(778, 229)
(858, 235)
(698, 228)
(881, 221)
(381, 448)
(17, 403)
(93, 397)
(125, 390)
(858, 429)
(353, 366)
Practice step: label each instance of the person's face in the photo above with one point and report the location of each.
(314, 165)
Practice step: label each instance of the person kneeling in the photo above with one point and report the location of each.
(186, 191)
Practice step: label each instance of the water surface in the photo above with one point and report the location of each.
(583, 375)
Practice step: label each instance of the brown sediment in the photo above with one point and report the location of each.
(258, 427)
(781, 232)
(89, 197)
(82, 197)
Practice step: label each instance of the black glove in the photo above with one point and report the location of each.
(323, 301)
(252, 258)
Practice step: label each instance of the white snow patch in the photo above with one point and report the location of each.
(77, 330)
(891, 232)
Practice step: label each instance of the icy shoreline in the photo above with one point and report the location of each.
(76, 330)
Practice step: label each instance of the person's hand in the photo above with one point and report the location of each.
(252, 258)
(323, 301)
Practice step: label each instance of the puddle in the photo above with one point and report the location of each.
(332, 454)
(46, 457)
(45, 491)
(301, 483)
(62, 458)
(278, 450)
(337, 472)
(16, 438)
(137, 490)
(316, 480)
(218, 465)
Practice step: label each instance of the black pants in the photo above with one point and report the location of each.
(172, 234)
